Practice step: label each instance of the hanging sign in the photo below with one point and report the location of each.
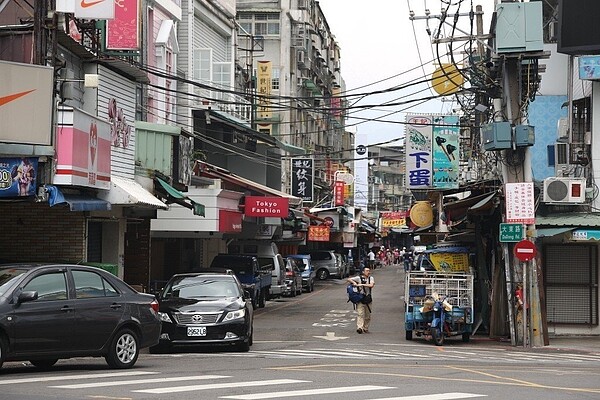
(318, 233)
(303, 173)
(266, 207)
(339, 193)
(418, 151)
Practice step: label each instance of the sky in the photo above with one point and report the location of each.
(380, 50)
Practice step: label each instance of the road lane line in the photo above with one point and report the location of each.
(439, 396)
(307, 392)
(73, 377)
(138, 381)
(191, 388)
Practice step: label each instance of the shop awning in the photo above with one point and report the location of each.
(569, 219)
(548, 232)
(212, 171)
(129, 192)
(175, 196)
(76, 202)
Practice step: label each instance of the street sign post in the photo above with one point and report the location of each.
(511, 232)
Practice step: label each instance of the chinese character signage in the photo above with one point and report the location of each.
(266, 207)
(511, 233)
(302, 178)
(519, 202)
(264, 89)
(338, 193)
(445, 151)
(418, 151)
(318, 233)
(18, 176)
(393, 219)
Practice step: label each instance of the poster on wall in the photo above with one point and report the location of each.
(446, 131)
(418, 151)
(18, 177)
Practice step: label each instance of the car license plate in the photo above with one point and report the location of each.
(196, 331)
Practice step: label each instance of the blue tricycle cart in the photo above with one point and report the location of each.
(439, 304)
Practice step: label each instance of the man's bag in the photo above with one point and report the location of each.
(354, 296)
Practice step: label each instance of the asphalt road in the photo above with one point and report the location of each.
(307, 347)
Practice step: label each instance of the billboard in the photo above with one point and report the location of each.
(18, 176)
(122, 32)
(26, 94)
(418, 151)
(446, 131)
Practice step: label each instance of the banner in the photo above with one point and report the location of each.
(122, 32)
(393, 219)
(338, 193)
(18, 176)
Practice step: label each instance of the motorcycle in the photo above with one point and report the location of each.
(444, 322)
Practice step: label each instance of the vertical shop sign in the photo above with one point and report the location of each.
(264, 89)
(519, 203)
(445, 151)
(339, 193)
(302, 178)
(418, 151)
(122, 32)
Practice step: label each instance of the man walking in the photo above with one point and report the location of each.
(365, 283)
(371, 257)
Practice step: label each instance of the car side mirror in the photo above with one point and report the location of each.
(28, 295)
(247, 294)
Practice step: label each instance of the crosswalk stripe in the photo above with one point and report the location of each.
(191, 388)
(72, 377)
(138, 381)
(307, 392)
(439, 396)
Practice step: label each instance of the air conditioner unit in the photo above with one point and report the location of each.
(563, 130)
(564, 190)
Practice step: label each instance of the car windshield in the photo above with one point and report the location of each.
(321, 256)
(7, 275)
(197, 287)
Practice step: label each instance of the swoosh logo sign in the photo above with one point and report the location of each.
(7, 99)
(86, 4)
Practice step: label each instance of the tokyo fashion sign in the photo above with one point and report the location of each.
(266, 207)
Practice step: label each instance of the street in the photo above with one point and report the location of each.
(308, 347)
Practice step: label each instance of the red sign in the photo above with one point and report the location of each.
(266, 207)
(339, 193)
(122, 32)
(230, 221)
(525, 250)
(318, 233)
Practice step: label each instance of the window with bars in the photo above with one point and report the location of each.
(571, 281)
(259, 24)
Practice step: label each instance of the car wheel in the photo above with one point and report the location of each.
(312, 286)
(409, 335)
(160, 348)
(299, 290)
(293, 290)
(3, 350)
(124, 350)
(261, 299)
(44, 364)
(322, 274)
(243, 347)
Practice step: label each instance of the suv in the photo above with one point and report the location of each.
(326, 264)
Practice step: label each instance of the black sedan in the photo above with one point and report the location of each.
(54, 311)
(205, 309)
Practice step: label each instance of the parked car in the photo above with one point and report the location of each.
(309, 274)
(343, 265)
(326, 263)
(293, 276)
(57, 311)
(205, 309)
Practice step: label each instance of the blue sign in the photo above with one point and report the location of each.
(589, 67)
(18, 177)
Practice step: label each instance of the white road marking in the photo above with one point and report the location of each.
(71, 377)
(307, 392)
(440, 396)
(138, 381)
(191, 388)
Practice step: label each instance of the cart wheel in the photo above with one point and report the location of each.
(409, 335)
(438, 336)
(466, 337)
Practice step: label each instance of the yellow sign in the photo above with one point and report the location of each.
(446, 79)
(393, 223)
(450, 262)
(264, 89)
(421, 214)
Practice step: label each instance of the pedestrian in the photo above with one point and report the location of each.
(371, 256)
(365, 283)
(408, 260)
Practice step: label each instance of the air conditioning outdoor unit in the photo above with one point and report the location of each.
(563, 129)
(564, 190)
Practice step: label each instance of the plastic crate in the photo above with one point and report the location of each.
(457, 288)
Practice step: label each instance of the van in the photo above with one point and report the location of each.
(327, 264)
(268, 257)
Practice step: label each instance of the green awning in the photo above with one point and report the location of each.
(180, 198)
(548, 232)
(294, 150)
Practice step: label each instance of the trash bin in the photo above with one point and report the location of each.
(112, 268)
